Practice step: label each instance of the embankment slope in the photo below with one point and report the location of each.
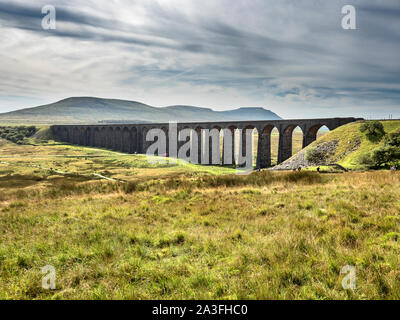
(345, 146)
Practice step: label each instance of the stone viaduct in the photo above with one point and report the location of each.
(131, 138)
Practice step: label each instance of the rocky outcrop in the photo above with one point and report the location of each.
(300, 159)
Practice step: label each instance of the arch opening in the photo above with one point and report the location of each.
(322, 131)
(315, 132)
(274, 146)
(297, 140)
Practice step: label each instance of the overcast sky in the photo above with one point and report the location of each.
(292, 57)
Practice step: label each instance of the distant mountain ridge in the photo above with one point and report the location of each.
(94, 110)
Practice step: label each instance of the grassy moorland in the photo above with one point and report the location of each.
(186, 231)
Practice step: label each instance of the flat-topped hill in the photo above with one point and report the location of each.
(94, 110)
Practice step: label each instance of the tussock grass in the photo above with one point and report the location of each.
(189, 232)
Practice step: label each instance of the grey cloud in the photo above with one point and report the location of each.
(250, 49)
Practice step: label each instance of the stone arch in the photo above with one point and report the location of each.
(289, 129)
(315, 128)
(267, 129)
(322, 131)
(310, 134)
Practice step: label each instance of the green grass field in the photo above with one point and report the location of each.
(179, 231)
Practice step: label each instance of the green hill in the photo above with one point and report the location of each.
(345, 146)
(94, 110)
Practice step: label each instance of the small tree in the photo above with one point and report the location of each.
(389, 153)
(374, 130)
(393, 139)
(386, 155)
(366, 159)
(315, 156)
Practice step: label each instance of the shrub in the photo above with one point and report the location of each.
(374, 130)
(393, 139)
(17, 134)
(130, 187)
(315, 156)
(366, 159)
(386, 154)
